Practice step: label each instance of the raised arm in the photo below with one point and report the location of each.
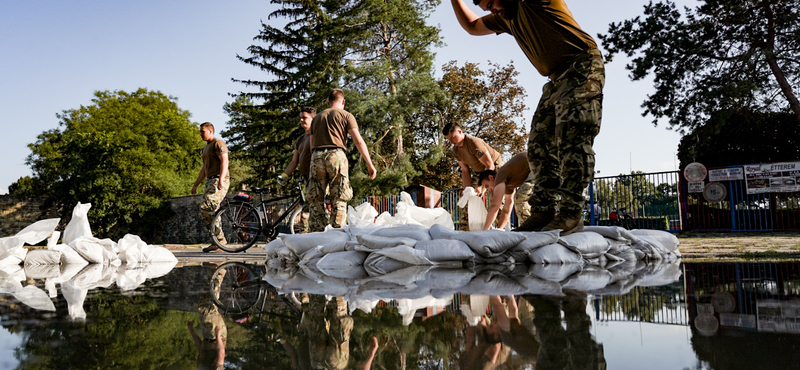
(469, 21)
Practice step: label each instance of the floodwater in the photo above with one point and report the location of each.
(742, 315)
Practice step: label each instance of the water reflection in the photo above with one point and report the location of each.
(433, 319)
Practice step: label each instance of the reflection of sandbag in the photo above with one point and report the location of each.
(300, 243)
(13, 257)
(476, 208)
(590, 278)
(555, 272)
(588, 244)
(495, 283)
(490, 243)
(78, 225)
(344, 265)
(441, 250)
(666, 239)
(42, 271)
(43, 257)
(382, 242)
(377, 265)
(556, 254)
(35, 298)
(415, 232)
(538, 286)
(446, 281)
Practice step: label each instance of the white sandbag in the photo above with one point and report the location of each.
(378, 265)
(442, 232)
(613, 232)
(490, 243)
(361, 216)
(37, 231)
(339, 246)
(652, 247)
(476, 208)
(89, 248)
(344, 265)
(157, 254)
(52, 241)
(404, 254)
(590, 278)
(13, 257)
(300, 243)
(535, 240)
(416, 232)
(382, 242)
(69, 256)
(555, 272)
(667, 239)
(385, 219)
(42, 271)
(555, 254)
(43, 257)
(409, 213)
(442, 250)
(272, 246)
(618, 246)
(588, 244)
(78, 225)
(35, 298)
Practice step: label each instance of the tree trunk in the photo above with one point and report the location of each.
(773, 63)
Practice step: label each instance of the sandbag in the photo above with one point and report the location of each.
(69, 256)
(613, 232)
(344, 265)
(476, 208)
(272, 247)
(415, 232)
(37, 231)
(442, 232)
(536, 240)
(490, 243)
(300, 243)
(442, 250)
(43, 257)
(340, 246)
(555, 254)
(409, 213)
(667, 239)
(382, 242)
(588, 244)
(377, 265)
(78, 225)
(402, 253)
(89, 248)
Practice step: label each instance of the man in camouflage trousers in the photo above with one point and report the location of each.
(568, 116)
(329, 166)
(217, 180)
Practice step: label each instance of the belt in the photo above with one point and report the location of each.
(212, 177)
(564, 67)
(326, 149)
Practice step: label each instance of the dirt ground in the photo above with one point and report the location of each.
(740, 245)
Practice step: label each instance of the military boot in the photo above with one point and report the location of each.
(537, 221)
(568, 221)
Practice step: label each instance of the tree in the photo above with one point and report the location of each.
(724, 55)
(739, 138)
(487, 104)
(126, 153)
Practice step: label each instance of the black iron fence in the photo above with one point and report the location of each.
(648, 200)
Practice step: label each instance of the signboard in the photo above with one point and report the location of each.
(694, 172)
(779, 177)
(696, 186)
(726, 174)
(714, 192)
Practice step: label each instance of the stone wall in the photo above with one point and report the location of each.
(17, 213)
(185, 225)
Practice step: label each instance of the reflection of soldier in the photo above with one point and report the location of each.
(324, 335)
(484, 349)
(571, 348)
(509, 327)
(211, 346)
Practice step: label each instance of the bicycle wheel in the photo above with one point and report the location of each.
(296, 221)
(236, 287)
(241, 226)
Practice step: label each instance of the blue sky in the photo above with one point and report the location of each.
(55, 54)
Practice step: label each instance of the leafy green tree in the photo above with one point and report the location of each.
(25, 186)
(126, 153)
(723, 55)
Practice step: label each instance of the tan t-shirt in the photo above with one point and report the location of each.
(546, 32)
(514, 172)
(303, 148)
(471, 150)
(330, 128)
(211, 156)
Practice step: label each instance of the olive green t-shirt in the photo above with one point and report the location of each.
(330, 128)
(471, 150)
(303, 148)
(546, 32)
(211, 156)
(514, 172)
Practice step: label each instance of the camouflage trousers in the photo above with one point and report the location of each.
(521, 206)
(327, 326)
(329, 168)
(562, 134)
(212, 197)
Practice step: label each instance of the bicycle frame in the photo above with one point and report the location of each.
(298, 201)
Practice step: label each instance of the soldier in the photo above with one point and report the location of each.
(472, 154)
(215, 173)
(512, 175)
(568, 116)
(329, 166)
(301, 159)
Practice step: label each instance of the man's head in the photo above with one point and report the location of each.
(453, 133)
(336, 98)
(506, 8)
(207, 131)
(306, 116)
(486, 179)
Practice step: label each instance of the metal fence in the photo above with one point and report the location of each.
(659, 305)
(651, 199)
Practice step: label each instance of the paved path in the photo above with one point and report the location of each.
(193, 254)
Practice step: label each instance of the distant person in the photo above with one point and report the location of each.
(473, 155)
(301, 159)
(217, 180)
(514, 174)
(567, 118)
(329, 166)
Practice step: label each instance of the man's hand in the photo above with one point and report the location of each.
(194, 190)
(282, 179)
(219, 184)
(372, 171)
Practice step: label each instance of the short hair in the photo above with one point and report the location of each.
(476, 2)
(485, 175)
(310, 110)
(335, 95)
(207, 124)
(449, 127)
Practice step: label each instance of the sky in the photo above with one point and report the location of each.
(55, 54)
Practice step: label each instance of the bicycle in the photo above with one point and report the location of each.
(238, 287)
(244, 223)
(622, 218)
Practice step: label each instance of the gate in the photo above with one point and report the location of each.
(651, 199)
